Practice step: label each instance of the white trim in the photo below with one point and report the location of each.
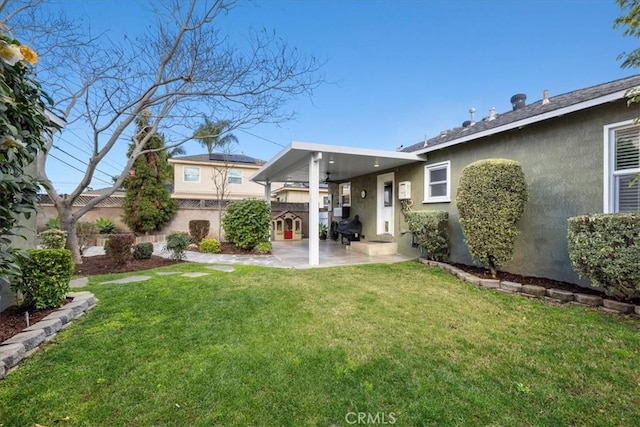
(191, 167)
(381, 209)
(529, 120)
(608, 183)
(427, 182)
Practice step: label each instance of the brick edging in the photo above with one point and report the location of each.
(548, 295)
(27, 342)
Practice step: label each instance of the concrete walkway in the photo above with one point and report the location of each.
(289, 254)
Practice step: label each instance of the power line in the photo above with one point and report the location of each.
(261, 137)
(79, 170)
(81, 161)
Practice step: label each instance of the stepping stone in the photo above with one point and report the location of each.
(130, 279)
(80, 282)
(225, 268)
(11, 354)
(29, 339)
(167, 273)
(195, 274)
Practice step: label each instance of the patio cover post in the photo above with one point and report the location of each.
(267, 192)
(314, 215)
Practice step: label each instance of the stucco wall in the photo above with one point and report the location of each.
(562, 159)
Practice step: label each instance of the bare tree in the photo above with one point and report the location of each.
(179, 67)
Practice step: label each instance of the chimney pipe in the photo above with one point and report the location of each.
(492, 113)
(545, 97)
(472, 111)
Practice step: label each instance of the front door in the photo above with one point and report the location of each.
(385, 201)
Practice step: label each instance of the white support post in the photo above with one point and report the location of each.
(314, 214)
(267, 192)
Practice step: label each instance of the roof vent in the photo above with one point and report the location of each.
(492, 113)
(518, 101)
(545, 97)
(472, 111)
(466, 123)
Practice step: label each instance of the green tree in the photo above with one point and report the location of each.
(23, 126)
(215, 134)
(491, 199)
(148, 205)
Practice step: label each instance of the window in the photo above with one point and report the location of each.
(191, 174)
(437, 182)
(326, 201)
(344, 191)
(234, 176)
(622, 164)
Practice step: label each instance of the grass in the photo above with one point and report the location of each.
(402, 344)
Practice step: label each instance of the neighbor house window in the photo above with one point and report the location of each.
(437, 182)
(344, 191)
(234, 176)
(326, 201)
(622, 165)
(191, 174)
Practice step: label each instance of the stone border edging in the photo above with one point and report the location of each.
(27, 342)
(548, 295)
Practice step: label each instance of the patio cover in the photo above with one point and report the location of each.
(310, 163)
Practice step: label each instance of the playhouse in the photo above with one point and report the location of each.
(287, 226)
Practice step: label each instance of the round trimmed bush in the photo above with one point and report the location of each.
(263, 248)
(491, 199)
(143, 250)
(247, 223)
(210, 246)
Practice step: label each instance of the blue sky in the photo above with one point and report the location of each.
(400, 70)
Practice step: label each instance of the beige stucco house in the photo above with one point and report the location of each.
(299, 193)
(207, 176)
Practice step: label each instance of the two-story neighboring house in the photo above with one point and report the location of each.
(299, 193)
(217, 176)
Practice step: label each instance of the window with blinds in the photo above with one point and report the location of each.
(626, 187)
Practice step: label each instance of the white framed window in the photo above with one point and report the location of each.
(621, 166)
(191, 174)
(234, 176)
(326, 201)
(344, 191)
(437, 182)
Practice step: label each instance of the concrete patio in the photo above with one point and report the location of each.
(285, 254)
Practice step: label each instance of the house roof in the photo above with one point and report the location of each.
(336, 163)
(221, 157)
(538, 111)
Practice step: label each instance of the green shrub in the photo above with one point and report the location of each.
(53, 238)
(53, 224)
(491, 199)
(105, 226)
(85, 232)
(198, 229)
(177, 244)
(429, 229)
(263, 248)
(118, 247)
(247, 223)
(606, 249)
(210, 246)
(45, 277)
(143, 251)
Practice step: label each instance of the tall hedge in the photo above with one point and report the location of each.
(491, 199)
(46, 274)
(429, 229)
(606, 249)
(247, 223)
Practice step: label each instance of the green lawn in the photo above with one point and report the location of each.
(403, 344)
